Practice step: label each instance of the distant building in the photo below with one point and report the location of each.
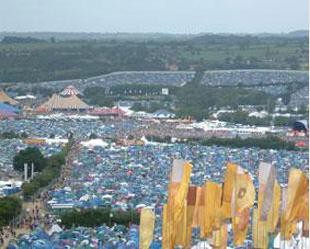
(262, 114)
(165, 91)
(26, 100)
(125, 104)
(301, 126)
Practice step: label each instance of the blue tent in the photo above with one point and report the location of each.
(8, 108)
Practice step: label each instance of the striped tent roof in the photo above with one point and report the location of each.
(69, 91)
(57, 102)
(4, 98)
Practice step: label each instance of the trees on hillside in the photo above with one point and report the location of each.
(10, 207)
(29, 155)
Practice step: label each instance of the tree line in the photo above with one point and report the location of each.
(21, 61)
(10, 208)
(12, 135)
(267, 142)
(199, 101)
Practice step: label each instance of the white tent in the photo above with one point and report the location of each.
(140, 206)
(54, 229)
(94, 143)
(107, 197)
(202, 245)
(85, 197)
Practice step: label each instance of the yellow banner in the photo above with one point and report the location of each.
(228, 186)
(259, 231)
(212, 212)
(147, 223)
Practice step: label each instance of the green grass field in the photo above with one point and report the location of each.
(42, 61)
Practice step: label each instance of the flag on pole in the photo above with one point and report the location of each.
(295, 206)
(147, 223)
(259, 231)
(199, 206)
(298, 185)
(274, 213)
(176, 204)
(212, 211)
(228, 186)
(243, 198)
(191, 203)
(219, 238)
(166, 228)
(267, 177)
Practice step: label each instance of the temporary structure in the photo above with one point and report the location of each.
(54, 229)
(116, 112)
(4, 98)
(69, 91)
(59, 103)
(7, 111)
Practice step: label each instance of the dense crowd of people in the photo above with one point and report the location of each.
(270, 81)
(126, 177)
(253, 77)
(142, 77)
(300, 97)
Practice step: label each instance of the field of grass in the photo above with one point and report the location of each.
(42, 61)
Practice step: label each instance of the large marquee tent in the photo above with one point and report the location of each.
(59, 103)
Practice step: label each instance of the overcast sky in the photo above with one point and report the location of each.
(169, 16)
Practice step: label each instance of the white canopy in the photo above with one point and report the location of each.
(54, 229)
(94, 143)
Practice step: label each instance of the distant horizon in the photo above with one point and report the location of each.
(150, 32)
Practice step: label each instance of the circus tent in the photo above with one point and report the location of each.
(59, 103)
(70, 91)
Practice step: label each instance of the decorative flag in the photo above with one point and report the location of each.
(166, 228)
(212, 212)
(219, 238)
(303, 207)
(191, 203)
(266, 217)
(196, 209)
(228, 186)
(274, 213)
(181, 229)
(176, 205)
(284, 200)
(259, 231)
(181, 195)
(293, 211)
(199, 207)
(240, 224)
(298, 185)
(267, 176)
(147, 223)
(243, 198)
(243, 195)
